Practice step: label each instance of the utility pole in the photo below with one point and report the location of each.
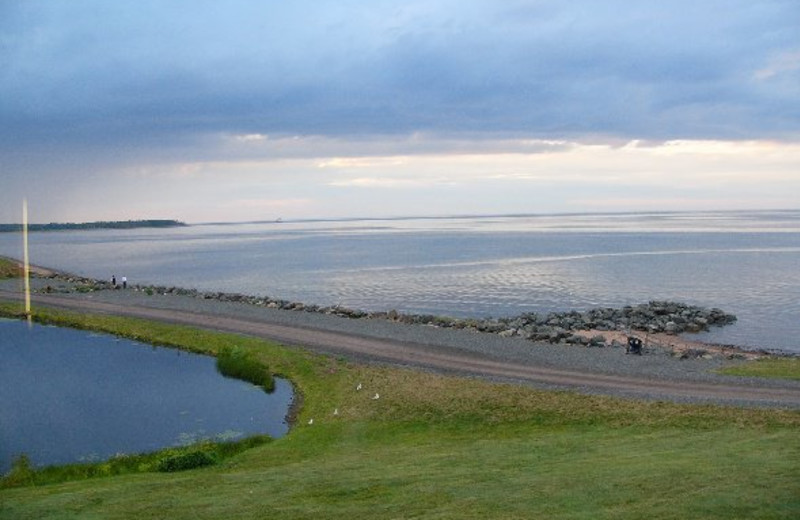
(26, 268)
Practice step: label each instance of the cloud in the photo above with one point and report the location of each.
(382, 94)
(362, 162)
(271, 205)
(784, 63)
(248, 138)
(386, 182)
(638, 203)
(157, 73)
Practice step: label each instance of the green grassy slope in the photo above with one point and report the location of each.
(8, 269)
(443, 447)
(778, 368)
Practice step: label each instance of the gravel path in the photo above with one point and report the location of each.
(655, 375)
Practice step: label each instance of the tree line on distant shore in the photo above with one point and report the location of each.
(103, 224)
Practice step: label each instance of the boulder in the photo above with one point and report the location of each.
(598, 341)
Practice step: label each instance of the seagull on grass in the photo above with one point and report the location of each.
(358, 387)
(376, 396)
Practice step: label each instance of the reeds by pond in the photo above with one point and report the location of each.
(240, 364)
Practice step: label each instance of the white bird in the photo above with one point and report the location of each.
(311, 421)
(376, 396)
(358, 387)
(336, 411)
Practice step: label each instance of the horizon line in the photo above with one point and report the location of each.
(281, 220)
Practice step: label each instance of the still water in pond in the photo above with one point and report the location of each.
(71, 396)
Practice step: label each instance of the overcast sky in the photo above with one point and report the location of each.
(249, 110)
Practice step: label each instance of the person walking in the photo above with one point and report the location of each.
(124, 282)
(114, 281)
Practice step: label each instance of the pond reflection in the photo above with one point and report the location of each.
(71, 396)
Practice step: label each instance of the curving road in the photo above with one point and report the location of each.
(429, 354)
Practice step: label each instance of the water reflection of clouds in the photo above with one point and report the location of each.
(762, 286)
(69, 394)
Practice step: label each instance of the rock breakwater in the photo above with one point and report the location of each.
(654, 317)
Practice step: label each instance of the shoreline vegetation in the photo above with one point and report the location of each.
(181, 458)
(438, 445)
(104, 224)
(240, 364)
(9, 268)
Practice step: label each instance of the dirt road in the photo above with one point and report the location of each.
(441, 357)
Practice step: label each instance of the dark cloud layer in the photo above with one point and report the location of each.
(109, 74)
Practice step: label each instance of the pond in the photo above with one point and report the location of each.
(75, 396)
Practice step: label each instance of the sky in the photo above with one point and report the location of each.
(208, 111)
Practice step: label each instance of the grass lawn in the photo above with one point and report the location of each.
(445, 447)
(779, 368)
(8, 269)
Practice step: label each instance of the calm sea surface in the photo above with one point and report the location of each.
(747, 263)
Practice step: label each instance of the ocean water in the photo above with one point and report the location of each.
(747, 263)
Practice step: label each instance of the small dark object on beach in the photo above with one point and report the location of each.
(634, 346)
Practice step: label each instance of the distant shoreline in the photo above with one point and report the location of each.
(105, 224)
